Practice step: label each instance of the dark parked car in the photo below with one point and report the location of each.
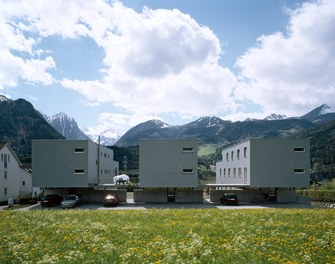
(229, 199)
(72, 201)
(111, 200)
(51, 200)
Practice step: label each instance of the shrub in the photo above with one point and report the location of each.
(319, 195)
(23, 200)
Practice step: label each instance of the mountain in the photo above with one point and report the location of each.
(148, 129)
(20, 123)
(322, 140)
(213, 130)
(67, 126)
(275, 117)
(321, 114)
(206, 121)
(107, 137)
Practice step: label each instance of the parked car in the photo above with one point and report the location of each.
(229, 199)
(111, 200)
(51, 200)
(71, 201)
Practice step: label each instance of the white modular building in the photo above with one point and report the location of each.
(168, 163)
(265, 163)
(72, 164)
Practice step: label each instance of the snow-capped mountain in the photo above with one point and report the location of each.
(321, 114)
(143, 130)
(326, 109)
(3, 98)
(275, 117)
(107, 138)
(67, 126)
(206, 121)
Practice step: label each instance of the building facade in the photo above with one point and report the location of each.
(168, 163)
(14, 180)
(266, 163)
(72, 164)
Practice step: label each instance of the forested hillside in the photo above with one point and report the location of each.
(20, 123)
(322, 150)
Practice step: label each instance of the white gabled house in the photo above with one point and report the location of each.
(14, 179)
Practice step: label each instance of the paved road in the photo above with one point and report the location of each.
(130, 205)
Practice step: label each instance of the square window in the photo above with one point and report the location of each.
(187, 170)
(79, 171)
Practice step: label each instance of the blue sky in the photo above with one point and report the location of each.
(115, 64)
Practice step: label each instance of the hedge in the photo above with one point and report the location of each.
(318, 195)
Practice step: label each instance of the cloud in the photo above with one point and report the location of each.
(293, 73)
(121, 121)
(17, 52)
(158, 61)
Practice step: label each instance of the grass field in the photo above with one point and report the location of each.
(168, 236)
(205, 150)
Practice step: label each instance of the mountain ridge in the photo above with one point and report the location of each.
(66, 126)
(20, 123)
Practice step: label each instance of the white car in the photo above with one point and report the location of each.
(71, 201)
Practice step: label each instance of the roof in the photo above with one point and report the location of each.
(11, 150)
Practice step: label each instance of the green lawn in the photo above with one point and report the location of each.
(168, 236)
(205, 150)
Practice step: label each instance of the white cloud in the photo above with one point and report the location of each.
(158, 61)
(163, 62)
(294, 73)
(120, 121)
(17, 50)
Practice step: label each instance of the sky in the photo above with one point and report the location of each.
(115, 64)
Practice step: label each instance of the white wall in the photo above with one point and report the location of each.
(265, 163)
(12, 177)
(234, 169)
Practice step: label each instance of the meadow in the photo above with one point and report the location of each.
(168, 236)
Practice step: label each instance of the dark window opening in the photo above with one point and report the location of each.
(79, 150)
(187, 170)
(187, 149)
(299, 171)
(299, 149)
